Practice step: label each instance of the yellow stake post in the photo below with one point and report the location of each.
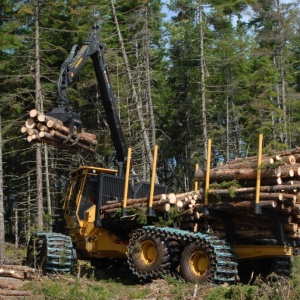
(196, 182)
(126, 182)
(151, 212)
(207, 177)
(257, 208)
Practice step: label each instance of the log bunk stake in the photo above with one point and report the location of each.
(48, 130)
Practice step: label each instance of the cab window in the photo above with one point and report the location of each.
(74, 192)
(88, 196)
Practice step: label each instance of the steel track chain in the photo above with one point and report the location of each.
(59, 252)
(223, 257)
(283, 266)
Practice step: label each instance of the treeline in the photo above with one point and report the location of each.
(200, 69)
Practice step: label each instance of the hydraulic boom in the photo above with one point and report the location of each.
(93, 49)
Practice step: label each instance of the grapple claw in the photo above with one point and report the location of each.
(68, 118)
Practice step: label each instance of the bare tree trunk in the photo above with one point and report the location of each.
(28, 208)
(202, 78)
(281, 82)
(283, 98)
(38, 99)
(133, 90)
(39, 187)
(2, 223)
(48, 188)
(273, 122)
(227, 129)
(16, 228)
(148, 81)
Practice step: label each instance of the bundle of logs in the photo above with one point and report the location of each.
(18, 272)
(233, 191)
(186, 206)
(45, 129)
(13, 277)
(279, 194)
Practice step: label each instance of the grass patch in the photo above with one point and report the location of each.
(114, 281)
(14, 254)
(56, 288)
(262, 289)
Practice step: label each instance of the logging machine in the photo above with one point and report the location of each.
(101, 227)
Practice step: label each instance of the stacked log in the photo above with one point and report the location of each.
(18, 272)
(279, 195)
(45, 129)
(13, 277)
(161, 202)
(183, 203)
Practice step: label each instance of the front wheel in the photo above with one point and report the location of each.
(197, 263)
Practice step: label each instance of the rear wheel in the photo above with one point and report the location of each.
(271, 268)
(36, 252)
(197, 264)
(283, 266)
(74, 262)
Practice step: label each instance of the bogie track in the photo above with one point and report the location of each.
(50, 252)
(196, 257)
(270, 268)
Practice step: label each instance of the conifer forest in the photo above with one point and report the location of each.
(183, 72)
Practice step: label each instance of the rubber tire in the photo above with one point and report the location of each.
(287, 270)
(174, 252)
(186, 270)
(269, 268)
(31, 253)
(75, 263)
(36, 255)
(42, 256)
(160, 260)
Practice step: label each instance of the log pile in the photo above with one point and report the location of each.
(13, 277)
(17, 272)
(48, 130)
(162, 203)
(186, 208)
(279, 194)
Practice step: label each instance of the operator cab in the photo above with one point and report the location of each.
(97, 186)
(84, 190)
